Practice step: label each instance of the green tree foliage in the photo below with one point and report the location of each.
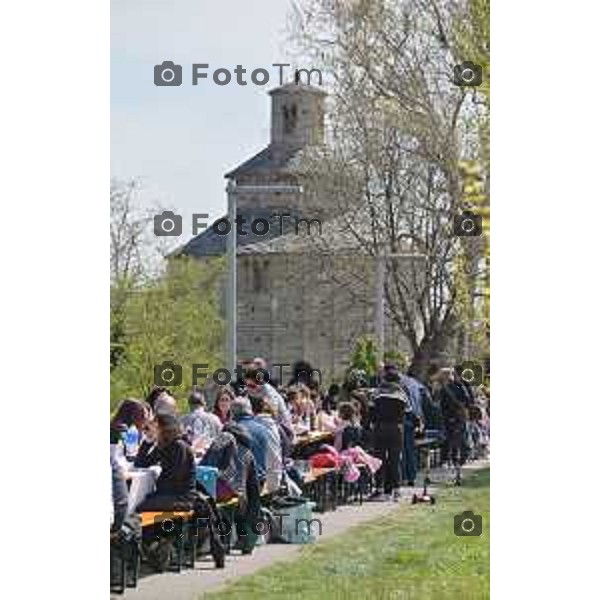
(471, 40)
(400, 129)
(173, 317)
(396, 357)
(160, 310)
(364, 356)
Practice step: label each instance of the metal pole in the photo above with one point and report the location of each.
(380, 306)
(231, 292)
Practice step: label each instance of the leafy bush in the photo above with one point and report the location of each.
(173, 317)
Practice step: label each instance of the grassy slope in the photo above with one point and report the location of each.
(412, 554)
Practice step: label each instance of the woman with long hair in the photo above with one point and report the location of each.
(222, 408)
(129, 412)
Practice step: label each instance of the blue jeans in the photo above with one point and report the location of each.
(409, 456)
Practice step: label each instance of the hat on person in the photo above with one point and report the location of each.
(241, 407)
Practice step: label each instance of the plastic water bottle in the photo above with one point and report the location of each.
(132, 438)
(307, 422)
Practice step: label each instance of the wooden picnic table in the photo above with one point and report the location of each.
(312, 437)
(308, 443)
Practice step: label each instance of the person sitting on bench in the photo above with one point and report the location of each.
(130, 412)
(176, 485)
(263, 414)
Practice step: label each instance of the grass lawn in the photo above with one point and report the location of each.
(411, 554)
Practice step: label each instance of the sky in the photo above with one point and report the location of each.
(179, 141)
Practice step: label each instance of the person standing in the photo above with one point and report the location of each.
(413, 422)
(387, 419)
(454, 412)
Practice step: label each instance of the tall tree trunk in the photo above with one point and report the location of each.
(432, 353)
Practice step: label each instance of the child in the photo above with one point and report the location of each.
(349, 432)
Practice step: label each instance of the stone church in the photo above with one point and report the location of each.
(289, 307)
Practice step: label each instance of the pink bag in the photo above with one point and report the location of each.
(360, 457)
(349, 470)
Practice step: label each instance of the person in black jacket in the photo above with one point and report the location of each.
(465, 390)
(387, 419)
(176, 485)
(453, 404)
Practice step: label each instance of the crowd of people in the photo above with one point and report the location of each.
(249, 429)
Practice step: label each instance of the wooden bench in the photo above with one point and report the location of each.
(186, 535)
(149, 518)
(321, 486)
(356, 490)
(125, 563)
